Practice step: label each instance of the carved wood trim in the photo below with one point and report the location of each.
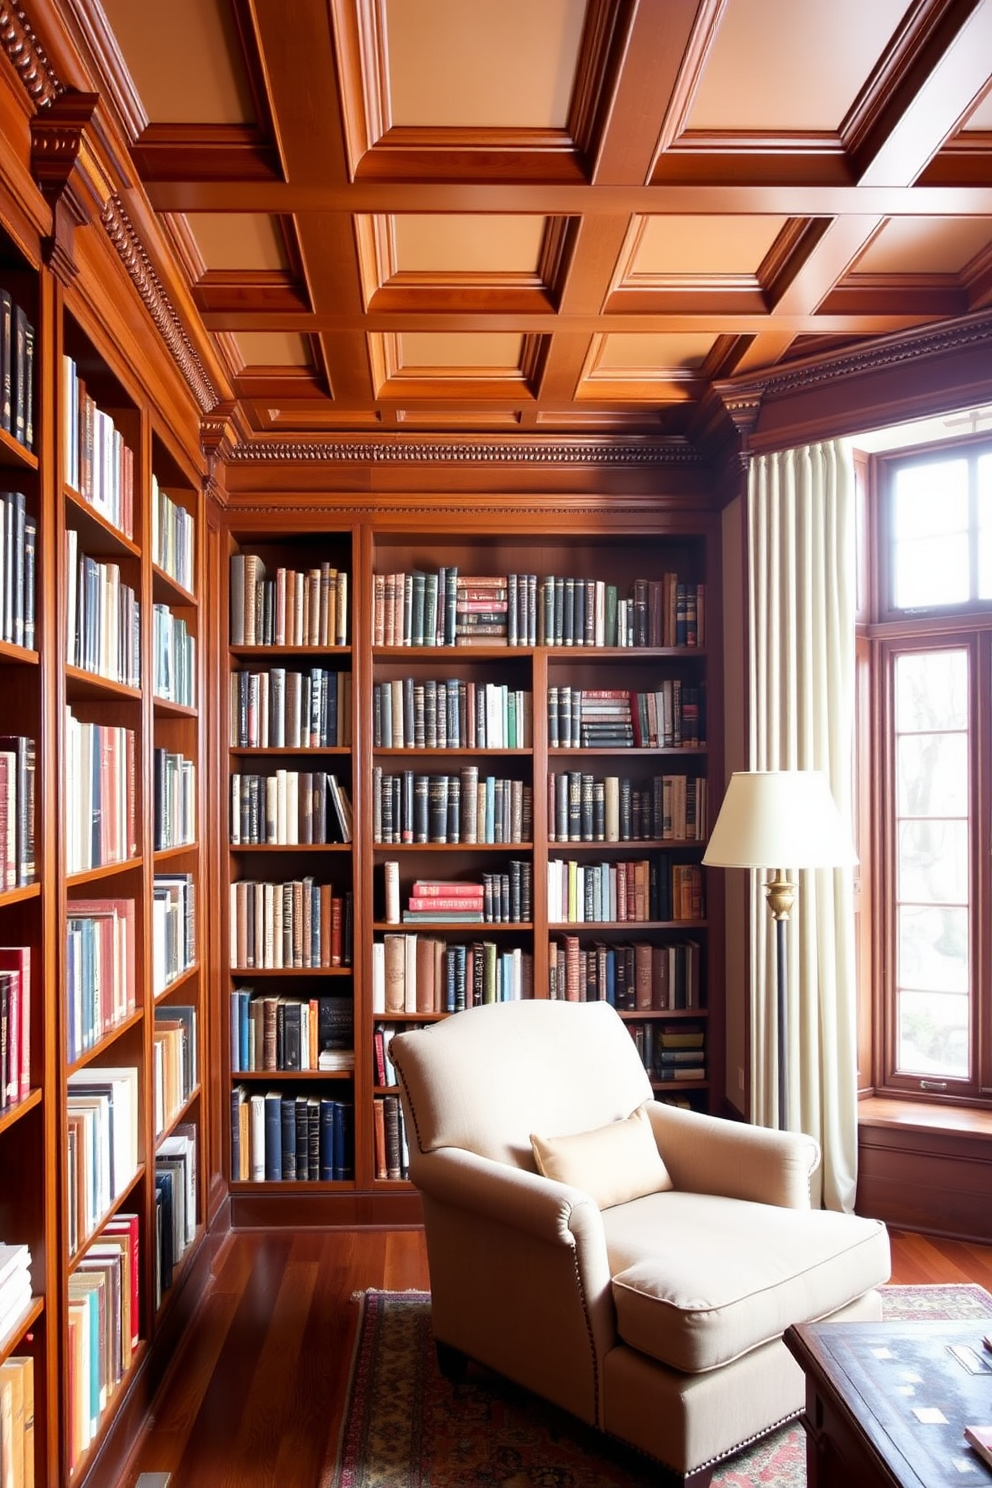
(29, 61)
(888, 351)
(120, 231)
(496, 452)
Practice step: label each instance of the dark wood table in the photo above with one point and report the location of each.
(887, 1403)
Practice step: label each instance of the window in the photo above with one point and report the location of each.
(930, 661)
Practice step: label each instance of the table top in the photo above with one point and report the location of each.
(911, 1387)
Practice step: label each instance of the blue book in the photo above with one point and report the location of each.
(273, 1136)
(328, 1124)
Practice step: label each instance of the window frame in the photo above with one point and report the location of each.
(884, 633)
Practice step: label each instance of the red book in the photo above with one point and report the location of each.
(127, 1225)
(17, 959)
(337, 929)
(454, 905)
(425, 888)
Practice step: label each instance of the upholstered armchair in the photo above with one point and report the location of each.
(632, 1261)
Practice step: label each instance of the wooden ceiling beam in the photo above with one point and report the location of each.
(795, 200)
(645, 89)
(583, 323)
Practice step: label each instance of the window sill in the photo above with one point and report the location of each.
(889, 1111)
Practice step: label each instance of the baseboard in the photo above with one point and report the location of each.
(266, 1208)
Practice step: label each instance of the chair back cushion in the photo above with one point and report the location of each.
(485, 1079)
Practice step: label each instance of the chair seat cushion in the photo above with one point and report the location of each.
(699, 1280)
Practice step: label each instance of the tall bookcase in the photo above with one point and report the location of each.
(458, 769)
(29, 1109)
(287, 821)
(128, 952)
(103, 1124)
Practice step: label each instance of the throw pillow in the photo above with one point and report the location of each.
(613, 1164)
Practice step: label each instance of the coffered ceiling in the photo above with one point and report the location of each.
(569, 216)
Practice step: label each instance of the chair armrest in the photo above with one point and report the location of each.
(550, 1211)
(707, 1154)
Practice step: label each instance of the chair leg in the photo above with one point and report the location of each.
(452, 1363)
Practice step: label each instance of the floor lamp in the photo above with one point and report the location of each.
(779, 820)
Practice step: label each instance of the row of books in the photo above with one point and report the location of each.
(173, 658)
(15, 1285)
(289, 807)
(102, 1144)
(391, 1151)
(287, 607)
(647, 889)
(100, 822)
(103, 617)
(418, 713)
(299, 924)
(18, 766)
(584, 808)
(656, 613)
(18, 570)
(174, 787)
(445, 608)
(667, 717)
(625, 889)
(173, 537)
(281, 709)
(277, 1032)
(671, 1051)
(100, 970)
(102, 1327)
(175, 1203)
(496, 898)
(173, 928)
(15, 1026)
(16, 371)
(99, 464)
(413, 973)
(277, 1137)
(17, 1433)
(633, 976)
(174, 1061)
(467, 807)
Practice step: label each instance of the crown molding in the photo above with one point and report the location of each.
(897, 349)
(400, 451)
(121, 232)
(27, 57)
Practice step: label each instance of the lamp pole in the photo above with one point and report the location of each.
(780, 892)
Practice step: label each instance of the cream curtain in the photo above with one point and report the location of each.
(802, 597)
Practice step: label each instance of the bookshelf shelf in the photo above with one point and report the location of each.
(13, 455)
(12, 1114)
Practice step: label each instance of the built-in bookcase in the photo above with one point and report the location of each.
(129, 965)
(30, 1325)
(471, 798)
(287, 816)
(597, 646)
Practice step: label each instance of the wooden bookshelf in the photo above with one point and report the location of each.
(414, 762)
(288, 888)
(29, 1111)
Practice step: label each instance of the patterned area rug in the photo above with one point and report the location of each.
(408, 1427)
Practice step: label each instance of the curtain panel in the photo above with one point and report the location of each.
(802, 602)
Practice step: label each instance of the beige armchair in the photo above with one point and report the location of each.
(640, 1274)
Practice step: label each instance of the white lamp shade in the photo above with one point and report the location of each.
(779, 819)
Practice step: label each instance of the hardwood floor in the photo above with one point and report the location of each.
(258, 1390)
